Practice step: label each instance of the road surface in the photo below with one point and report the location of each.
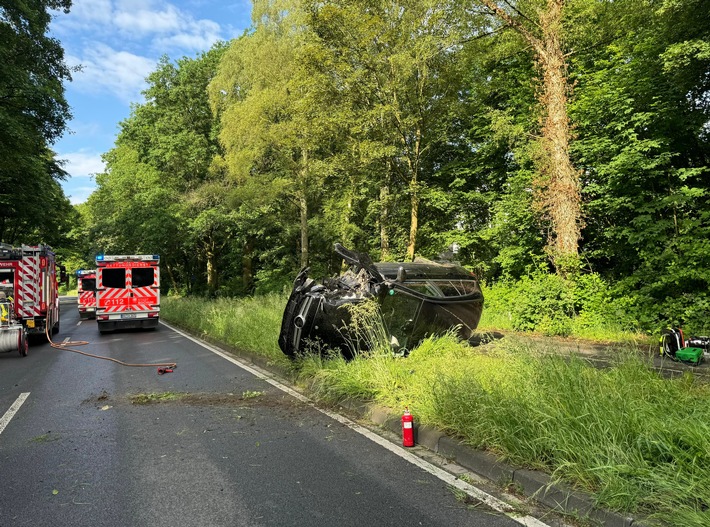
(88, 442)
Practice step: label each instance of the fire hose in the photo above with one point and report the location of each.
(163, 367)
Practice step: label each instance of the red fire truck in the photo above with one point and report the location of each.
(86, 285)
(28, 275)
(127, 291)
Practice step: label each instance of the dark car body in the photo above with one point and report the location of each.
(416, 299)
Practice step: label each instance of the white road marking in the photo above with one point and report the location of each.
(5, 419)
(476, 493)
(78, 323)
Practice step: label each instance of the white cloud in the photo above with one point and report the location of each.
(145, 21)
(81, 167)
(196, 35)
(82, 164)
(138, 24)
(104, 69)
(84, 14)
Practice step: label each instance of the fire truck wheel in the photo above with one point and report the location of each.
(24, 345)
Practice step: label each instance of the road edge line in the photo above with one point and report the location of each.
(5, 419)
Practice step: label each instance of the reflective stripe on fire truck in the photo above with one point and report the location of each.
(29, 285)
(86, 298)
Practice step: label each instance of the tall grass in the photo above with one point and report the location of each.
(251, 324)
(639, 442)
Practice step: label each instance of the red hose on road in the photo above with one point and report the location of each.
(66, 346)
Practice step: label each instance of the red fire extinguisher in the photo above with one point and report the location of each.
(407, 428)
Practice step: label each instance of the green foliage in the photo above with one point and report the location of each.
(33, 115)
(643, 146)
(637, 441)
(583, 305)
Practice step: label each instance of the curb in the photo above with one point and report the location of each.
(536, 485)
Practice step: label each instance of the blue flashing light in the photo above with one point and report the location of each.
(99, 257)
(156, 257)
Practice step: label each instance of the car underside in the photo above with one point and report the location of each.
(414, 300)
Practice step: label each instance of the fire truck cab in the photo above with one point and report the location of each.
(86, 293)
(29, 275)
(127, 291)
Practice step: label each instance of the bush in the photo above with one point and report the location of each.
(583, 305)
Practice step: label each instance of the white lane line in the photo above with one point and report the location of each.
(476, 493)
(78, 323)
(5, 419)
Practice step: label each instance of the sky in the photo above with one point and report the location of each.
(118, 43)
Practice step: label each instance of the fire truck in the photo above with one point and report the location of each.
(86, 285)
(28, 276)
(127, 291)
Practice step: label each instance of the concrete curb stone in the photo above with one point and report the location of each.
(482, 463)
(534, 484)
(428, 437)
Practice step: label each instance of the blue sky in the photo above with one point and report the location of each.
(118, 43)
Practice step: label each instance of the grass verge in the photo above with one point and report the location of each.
(640, 443)
(251, 324)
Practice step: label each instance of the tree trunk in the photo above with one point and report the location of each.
(562, 197)
(384, 220)
(172, 278)
(303, 207)
(211, 270)
(248, 266)
(413, 161)
(414, 218)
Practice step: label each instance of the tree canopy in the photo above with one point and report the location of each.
(33, 115)
(519, 133)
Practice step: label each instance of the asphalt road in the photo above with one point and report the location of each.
(229, 449)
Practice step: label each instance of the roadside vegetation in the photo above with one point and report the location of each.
(250, 324)
(639, 442)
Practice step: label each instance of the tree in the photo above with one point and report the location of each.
(541, 26)
(271, 109)
(160, 188)
(389, 61)
(642, 110)
(33, 115)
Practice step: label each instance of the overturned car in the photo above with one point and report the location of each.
(415, 300)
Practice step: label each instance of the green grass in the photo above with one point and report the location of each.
(640, 443)
(251, 324)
